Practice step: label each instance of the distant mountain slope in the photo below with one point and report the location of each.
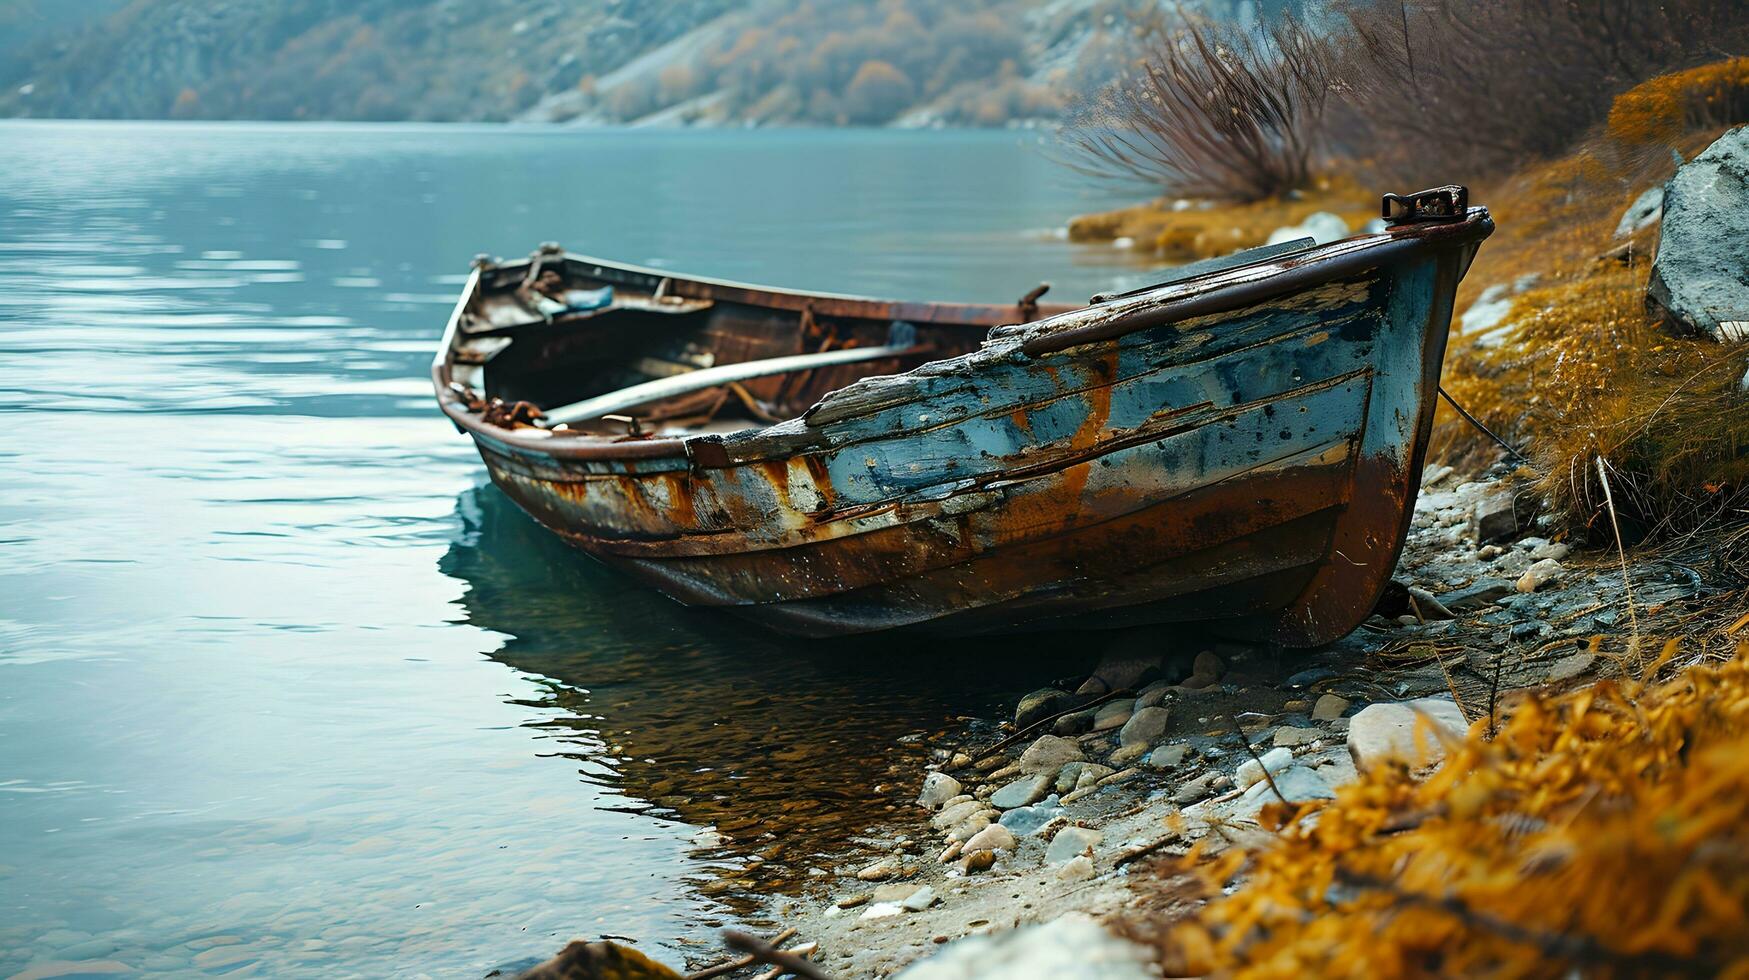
(819, 62)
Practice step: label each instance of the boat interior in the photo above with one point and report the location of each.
(569, 345)
(580, 347)
(562, 344)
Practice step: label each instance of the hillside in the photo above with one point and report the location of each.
(809, 62)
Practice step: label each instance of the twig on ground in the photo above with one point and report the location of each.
(739, 962)
(1252, 751)
(1017, 736)
(764, 952)
(1627, 579)
(1143, 850)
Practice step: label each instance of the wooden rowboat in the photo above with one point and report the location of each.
(1239, 447)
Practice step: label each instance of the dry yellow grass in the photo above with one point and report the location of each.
(1584, 371)
(1198, 232)
(1603, 829)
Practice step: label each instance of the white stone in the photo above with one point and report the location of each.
(1321, 227)
(1539, 575)
(954, 813)
(971, 826)
(938, 788)
(1168, 756)
(1381, 733)
(994, 837)
(1297, 784)
(1070, 946)
(1250, 773)
(1076, 869)
(882, 910)
(1646, 209)
(920, 899)
(1071, 842)
(1552, 549)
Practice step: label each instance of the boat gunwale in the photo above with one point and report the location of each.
(1216, 292)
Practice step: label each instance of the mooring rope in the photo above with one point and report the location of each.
(1509, 447)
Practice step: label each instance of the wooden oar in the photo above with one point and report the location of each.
(651, 391)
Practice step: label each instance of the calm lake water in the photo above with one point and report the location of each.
(285, 686)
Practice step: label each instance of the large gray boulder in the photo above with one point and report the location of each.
(1700, 277)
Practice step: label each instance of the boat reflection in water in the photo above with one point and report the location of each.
(789, 748)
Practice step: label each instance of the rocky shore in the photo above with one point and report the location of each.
(1087, 788)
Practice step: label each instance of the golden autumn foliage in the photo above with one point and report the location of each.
(1604, 830)
(1660, 110)
(1162, 229)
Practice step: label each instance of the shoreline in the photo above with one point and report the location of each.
(909, 893)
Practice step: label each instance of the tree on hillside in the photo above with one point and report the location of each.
(877, 94)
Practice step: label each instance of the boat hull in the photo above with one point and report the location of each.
(1252, 468)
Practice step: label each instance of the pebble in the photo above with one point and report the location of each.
(897, 892)
(1495, 518)
(882, 910)
(1153, 695)
(1081, 793)
(1539, 575)
(1040, 704)
(920, 899)
(1387, 731)
(1250, 773)
(1112, 715)
(954, 812)
(1194, 789)
(878, 871)
(951, 851)
(1553, 549)
(1070, 777)
(1024, 791)
(970, 826)
(995, 837)
(938, 788)
(1121, 776)
(1296, 783)
(1145, 727)
(1288, 736)
(1074, 724)
(1049, 752)
(1076, 869)
(960, 760)
(1168, 756)
(1329, 708)
(1071, 842)
(1128, 755)
(1028, 820)
(1308, 677)
(978, 861)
